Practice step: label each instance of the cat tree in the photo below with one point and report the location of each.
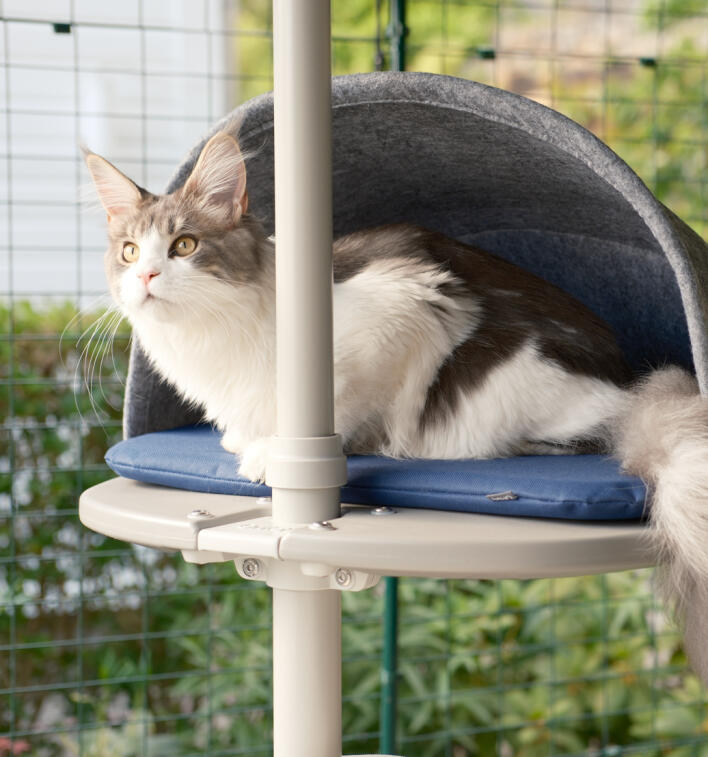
(478, 164)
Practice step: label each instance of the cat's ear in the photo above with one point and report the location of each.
(218, 180)
(118, 194)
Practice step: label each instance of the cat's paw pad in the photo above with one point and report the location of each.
(253, 461)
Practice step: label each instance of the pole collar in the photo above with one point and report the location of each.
(306, 462)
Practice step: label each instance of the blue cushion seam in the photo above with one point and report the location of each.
(402, 490)
(478, 494)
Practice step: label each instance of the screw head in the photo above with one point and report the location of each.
(199, 515)
(383, 511)
(251, 567)
(343, 577)
(322, 525)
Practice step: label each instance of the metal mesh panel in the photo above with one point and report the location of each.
(575, 666)
(111, 649)
(632, 71)
(106, 648)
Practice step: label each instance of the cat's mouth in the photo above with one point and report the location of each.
(149, 302)
(156, 305)
(151, 297)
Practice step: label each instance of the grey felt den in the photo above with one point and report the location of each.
(501, 172)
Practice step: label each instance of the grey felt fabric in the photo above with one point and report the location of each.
(502, 172)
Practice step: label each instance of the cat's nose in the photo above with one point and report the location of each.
(148, 276)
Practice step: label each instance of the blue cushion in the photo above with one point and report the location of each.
(584, 487)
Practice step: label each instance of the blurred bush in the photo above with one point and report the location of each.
(109, 644)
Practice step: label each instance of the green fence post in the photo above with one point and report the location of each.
(389, 668)
(397, 35)
(389, 665)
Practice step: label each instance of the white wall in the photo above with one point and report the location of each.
(136, 80)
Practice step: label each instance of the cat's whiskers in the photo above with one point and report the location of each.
(205, 300)
(93, 356)
(80, 380)
(80, 313)
(244, 327)
(103, 327)
(230, 333)
(128, 345)
(198, 314)
(87, 357)
(93, 328)
(105, 347)
(198, 301)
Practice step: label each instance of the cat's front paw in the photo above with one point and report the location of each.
(253, 460)
(232, 441)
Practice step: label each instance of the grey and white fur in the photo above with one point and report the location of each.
(441, 350)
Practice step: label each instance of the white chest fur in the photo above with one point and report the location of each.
(224, 360)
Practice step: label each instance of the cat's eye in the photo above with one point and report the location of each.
(131, 252)
(184, 246)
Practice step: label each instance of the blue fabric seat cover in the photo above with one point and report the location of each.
(583, 487)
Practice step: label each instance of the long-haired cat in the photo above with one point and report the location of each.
(441, 350)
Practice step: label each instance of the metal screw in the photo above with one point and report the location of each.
(199, 515)
(251, 567)
(343, 576)
(383, 511)
(322, 525)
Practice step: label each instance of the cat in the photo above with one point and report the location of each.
(441, 350)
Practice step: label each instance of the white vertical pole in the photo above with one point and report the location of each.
(306, 465)
(303, 213)
(307, 678)
(303, 233)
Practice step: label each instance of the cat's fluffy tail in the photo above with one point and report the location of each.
(663, 438)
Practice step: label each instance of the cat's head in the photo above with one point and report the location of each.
(170, 255)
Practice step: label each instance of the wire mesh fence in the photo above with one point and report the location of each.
(111, 649)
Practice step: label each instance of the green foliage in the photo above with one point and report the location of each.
(125, 740)
(669, 12)
(474, 657)
(519, 666)
(354, 27)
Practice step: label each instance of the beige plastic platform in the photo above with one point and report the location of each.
(401, 542)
